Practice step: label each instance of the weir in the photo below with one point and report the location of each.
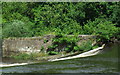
(13, 46)
(85, 54)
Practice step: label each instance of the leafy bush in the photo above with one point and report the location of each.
(102, 27)
(51, 17)
(76, 48)
(45, 41)
(85, 46)
(63, 17)
(42, 48)
(16, 29)
(52, 53)
(96, 46)
(69, 43)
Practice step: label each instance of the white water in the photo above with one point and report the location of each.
(15, 64)
(85, 54)
(104, 62)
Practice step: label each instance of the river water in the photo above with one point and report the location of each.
(105, 62)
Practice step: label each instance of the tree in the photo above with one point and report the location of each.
(105, 29)
(16, 28)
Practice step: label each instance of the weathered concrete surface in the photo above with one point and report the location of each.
(28, 45)
(11, 46)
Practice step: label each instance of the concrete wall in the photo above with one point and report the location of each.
(12, 46)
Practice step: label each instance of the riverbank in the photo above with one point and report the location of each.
(85, 54)
(105, 62)
(61, 48)
(47, 46)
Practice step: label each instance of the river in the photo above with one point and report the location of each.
(105, 62)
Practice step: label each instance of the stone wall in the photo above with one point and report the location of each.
(30, 44)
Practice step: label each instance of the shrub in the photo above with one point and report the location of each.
(76, 48)
(101, 27)
(96, 46)
(45, 41)
(42, 48)
(16, 29)
(69, 43)
(85, 46)
(52, 52)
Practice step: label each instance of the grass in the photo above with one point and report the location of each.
(25, 56)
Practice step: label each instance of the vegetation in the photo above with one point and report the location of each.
(16, 28)
(28, 19)
(22, 56)
(103, 28)
(62, 43)
(25, 56)
(40, 18)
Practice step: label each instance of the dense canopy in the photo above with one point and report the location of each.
(27, 19)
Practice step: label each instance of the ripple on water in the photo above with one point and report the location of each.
(96, 64)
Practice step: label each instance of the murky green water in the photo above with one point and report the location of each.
(106, 62)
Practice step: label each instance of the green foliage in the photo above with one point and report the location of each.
(29, 19)
(67, 49)
(42, 48)
(68, 41)
(22, 56)
(0, 32)
(51, 47)
(48, 18)
(63, 17)
(85, 46)
(45, 41)
(52, 53)
(16, 29)
(118, 34)
(17, 11)
(69, 44)
(102, 27)
(76, 48)
(113, 10)
(61, 38)
(96, 46)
